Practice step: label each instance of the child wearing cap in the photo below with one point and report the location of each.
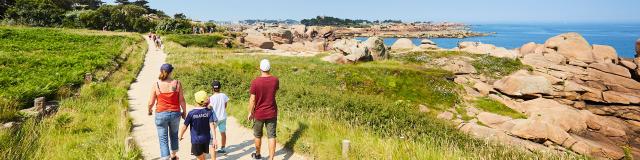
(201, 120)
(218, 104)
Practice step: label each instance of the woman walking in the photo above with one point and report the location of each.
(167, 96)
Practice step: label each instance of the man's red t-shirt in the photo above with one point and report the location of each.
(265, 89)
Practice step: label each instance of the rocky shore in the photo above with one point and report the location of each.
(577, 97)
(412, 30)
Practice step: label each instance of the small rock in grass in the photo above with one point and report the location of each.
(424, 109)
(445, 115)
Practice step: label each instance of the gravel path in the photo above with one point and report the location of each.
(239, 139)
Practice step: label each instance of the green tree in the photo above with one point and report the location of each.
(123, 2)
(4, 6)
(36, 12)
(179, 16)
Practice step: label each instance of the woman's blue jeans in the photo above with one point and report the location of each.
(167, 124)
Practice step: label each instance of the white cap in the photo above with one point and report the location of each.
(265, 65)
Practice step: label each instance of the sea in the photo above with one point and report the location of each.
(621, 36)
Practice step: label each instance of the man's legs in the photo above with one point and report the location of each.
(257, 133)
(271, 133)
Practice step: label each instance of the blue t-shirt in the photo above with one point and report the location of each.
(198, 119)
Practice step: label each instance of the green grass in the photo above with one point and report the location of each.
(375, 105)
(186, 40)
(88, 126)
(48, 62)
(492, 67)
(496, 107)
(495, 67)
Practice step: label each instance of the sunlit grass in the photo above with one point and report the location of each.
(88, 126)
(375, 105)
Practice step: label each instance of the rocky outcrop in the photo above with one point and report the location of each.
(571, 45)
(258, 40)
(376, 47)
(524, 84)
(489, 49)
(403, 44)
(576, 97)
(427, 44)
(280, 36)
(605, 54)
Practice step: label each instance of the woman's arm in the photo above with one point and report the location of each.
(183, 104)
(152, 100)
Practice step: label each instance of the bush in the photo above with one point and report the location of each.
(171, 25)
(35, 13)
(208, 41)
(117, 17)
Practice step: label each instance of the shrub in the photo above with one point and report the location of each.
(208, 41)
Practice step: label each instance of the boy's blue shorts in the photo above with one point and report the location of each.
(222, 125)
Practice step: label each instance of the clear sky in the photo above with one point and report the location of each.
(469, 11)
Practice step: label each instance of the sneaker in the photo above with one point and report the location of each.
(221, 150)
(256, 156)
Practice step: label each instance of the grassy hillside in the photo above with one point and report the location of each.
(87, 126)
(375, 105)
(51, 63)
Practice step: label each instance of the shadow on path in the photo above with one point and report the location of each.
(292, 141)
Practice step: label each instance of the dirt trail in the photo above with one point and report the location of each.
(239, 139)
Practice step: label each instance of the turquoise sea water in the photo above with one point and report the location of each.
(620, 36)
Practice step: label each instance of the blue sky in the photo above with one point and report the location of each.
(469, 11)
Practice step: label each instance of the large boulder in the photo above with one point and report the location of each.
(571, 45)
(427, 41)
(403, 44)
(611, 68)
(358, 54)
(613, 78)
(376, 48)
(258, 40)
(565, 117)
(528, 48)
(352, 49)
(344, 45)
(336, 58)
(428, 44)
(603, 53)
(522, 83)
(491, 134)
(280, 36)
(489, 49)
(538, 130)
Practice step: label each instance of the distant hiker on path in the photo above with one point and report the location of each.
(167, 96)
(218, 104)
(263, 109)
(158, 41)
(202, 121)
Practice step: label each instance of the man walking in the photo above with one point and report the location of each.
(263, 109)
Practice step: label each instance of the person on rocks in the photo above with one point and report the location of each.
(263, 109)
(167, 96)
(201, 121)
(218, 104)
(637, 47)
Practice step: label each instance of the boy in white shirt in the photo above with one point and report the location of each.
(218, 104)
